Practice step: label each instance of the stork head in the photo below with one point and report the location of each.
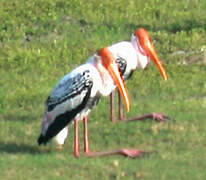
(111, 66)
(143, 44)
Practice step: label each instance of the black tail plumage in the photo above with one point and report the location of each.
(42, 140)
(62, 121)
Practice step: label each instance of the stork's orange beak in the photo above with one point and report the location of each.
(109, 63)
(146, 43)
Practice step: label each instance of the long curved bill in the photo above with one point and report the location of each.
(109, 63)
(146, 43)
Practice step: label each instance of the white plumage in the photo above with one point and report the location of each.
(78, 92)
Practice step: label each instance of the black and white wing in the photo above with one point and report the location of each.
(69, 97)
(71, 90)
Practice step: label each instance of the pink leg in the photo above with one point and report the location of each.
(112, 110)
(121, 113)
(76, 139)
(126, 152)
(156, 116)
(132, 153)
(86, 138)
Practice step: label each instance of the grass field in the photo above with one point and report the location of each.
(42, 40)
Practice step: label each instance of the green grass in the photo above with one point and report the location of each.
(40, 41)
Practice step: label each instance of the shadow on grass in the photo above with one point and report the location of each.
(18, 148)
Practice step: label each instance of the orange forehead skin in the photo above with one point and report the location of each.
(146, 43)
(143, 36)
(107, 57)
(142, 33)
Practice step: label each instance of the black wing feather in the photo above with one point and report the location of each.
(82, 85)
(68, 89)
(62, 121)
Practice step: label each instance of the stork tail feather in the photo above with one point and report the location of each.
(42, 140)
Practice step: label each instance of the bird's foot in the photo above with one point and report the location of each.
(159, 117)
(133, 153)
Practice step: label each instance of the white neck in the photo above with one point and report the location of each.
(142, 58)
(107, 84)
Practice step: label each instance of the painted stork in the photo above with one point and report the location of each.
(79, 91)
